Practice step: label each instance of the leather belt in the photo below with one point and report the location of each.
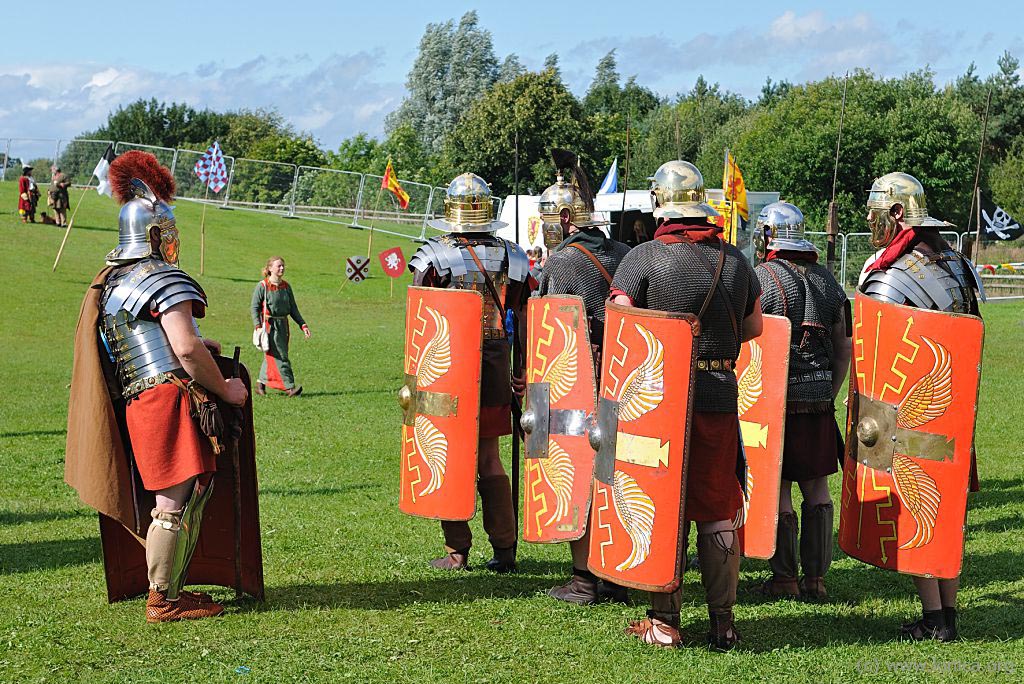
(815, 376)
(137, 387)
(715, 364)
(494, 334)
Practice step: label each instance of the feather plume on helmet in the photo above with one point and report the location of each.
(140, 166)
(570, 195)
(568, 164)
(145, 189)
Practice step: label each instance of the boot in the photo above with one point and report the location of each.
(815, 549)
(453, 560)
(783, 583)
(581, 589)
(931, 626)
(951, 619)
(499, 521)
(719, 572)
(187, 607)
(457, 540)
(610, 592)
(261, 389)
(294, 391)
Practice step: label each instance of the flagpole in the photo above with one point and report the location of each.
(832, 226)
(202, 232)
(625, 181)
(67, 232)
(725, 191)
(977, 179)
(373, 216)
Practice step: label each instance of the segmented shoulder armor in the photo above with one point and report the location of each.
(944, 281)
(137, 344)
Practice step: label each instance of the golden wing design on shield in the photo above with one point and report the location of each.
(432, 446)
(562, 372)
(644, 387)
(558, 471)
(750, 380)
(741, 515)
(920, 496)
(436, 358)
(932, 394)
(635, 511)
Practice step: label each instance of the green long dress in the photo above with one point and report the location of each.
(276, 370)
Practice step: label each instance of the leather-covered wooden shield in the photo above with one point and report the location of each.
(914, 381)
(762, 374)
(229, 552)
(561, 395)
(643, 419)
(441, 403)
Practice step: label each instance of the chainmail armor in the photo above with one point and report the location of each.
(571, 272)
(810, 347)
(672, 278)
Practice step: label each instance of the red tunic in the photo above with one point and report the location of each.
(24, 188)
(712, 489)
(169, 448)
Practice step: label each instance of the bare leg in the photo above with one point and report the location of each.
(175, 498)
(580, 550)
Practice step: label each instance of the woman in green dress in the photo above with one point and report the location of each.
(272, 303)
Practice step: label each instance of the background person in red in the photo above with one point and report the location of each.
(28, 196)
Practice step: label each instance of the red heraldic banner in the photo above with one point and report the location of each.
(762, 373)
(441, 403)
(561, 395)
(643, 417)
(913, 401)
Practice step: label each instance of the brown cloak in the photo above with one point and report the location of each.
(95, 462)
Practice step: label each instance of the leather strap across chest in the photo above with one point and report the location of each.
(600, 266)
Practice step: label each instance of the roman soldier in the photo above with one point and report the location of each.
(913, 399)
(142, 366)
(444, 442)
(796, 286)
(687, 270)
(580, 266)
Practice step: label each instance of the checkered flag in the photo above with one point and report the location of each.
(211, 170)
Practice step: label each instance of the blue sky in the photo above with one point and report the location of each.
(337, 68)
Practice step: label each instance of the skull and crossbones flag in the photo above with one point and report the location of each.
(996, 224)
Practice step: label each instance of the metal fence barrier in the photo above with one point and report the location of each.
(321, 194)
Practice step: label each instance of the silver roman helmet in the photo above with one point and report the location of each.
(468, 207)
(780, 226)
(678, 190)
(137, 217)
(890, 190)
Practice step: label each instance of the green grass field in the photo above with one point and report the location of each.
(349, 593)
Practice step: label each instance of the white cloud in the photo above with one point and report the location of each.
(792, 46)
(332, 99)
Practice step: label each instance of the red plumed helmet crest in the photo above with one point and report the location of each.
(144, 167)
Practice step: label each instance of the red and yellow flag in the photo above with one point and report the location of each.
(390, 183)
(735, 189)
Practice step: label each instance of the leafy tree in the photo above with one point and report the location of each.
(551, 64)
(605, 93)
(151, 122)
(677, 131)
(1007, 188)
(510, 68)
(454, 67)
(545, 114)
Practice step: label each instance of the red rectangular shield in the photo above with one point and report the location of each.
(914, 383)
(561, 397)
(762, 373)
(642, 428)
(441, 403)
